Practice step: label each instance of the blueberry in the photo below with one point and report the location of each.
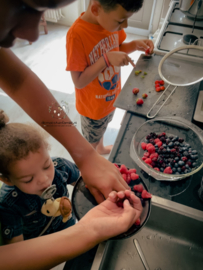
(184, 148)
(170, 137)
(177, 173)
(176, 143)
(176, 158)
(185, 153)
(194, 157)
(181, 163)
(194, 152)
(171, 144)
(164, 151)
(176, 165)
(187, 166)
(181, 140)
(174, 170)
(186, 171)
(194, 164)
(161, 169)
(187, 145)
(179, 170)
(167, 141)
(175, 138)
(164, 145)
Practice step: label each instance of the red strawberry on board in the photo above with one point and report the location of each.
(144, 95)
(135, 91)
(139, 101)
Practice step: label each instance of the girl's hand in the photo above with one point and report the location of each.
(119, 59)
(108, 220)
(143, 45)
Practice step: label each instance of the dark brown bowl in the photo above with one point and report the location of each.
(83, 201)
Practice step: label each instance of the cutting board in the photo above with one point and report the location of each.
(178, 104)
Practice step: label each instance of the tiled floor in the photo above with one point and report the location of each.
(47, 58)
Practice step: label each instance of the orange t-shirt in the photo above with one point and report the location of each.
(85, 44)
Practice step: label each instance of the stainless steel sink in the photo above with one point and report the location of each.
(172, 239)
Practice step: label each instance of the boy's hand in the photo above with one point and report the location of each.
(143, 45)
(101, 177)
(119, 59)
(108, 220)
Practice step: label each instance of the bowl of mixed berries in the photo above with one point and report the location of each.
(168, 148)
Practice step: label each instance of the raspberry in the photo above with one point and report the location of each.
(137, 222)
(132, 171)
(143, 158)
(151, 149)
(157, 140)
(161, 82)
(144, 95)
(146, 154)
(147, 51)
(154, 155)
(138, 188)
(163, 134)
(189, 163)
(128, 179)
(159, 143)
(120, 203)
(184, 159)
(146, 195)
(148, 161)
(168, 170)
(148, 145)
(139, 101)
(123, 169)
(143, 145)
(135, 91)
(124, 176)
(134, 176)
(157, 169)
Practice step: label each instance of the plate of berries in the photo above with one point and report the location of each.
(83, 200)
(168, 149)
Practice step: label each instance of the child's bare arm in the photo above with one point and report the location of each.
(141, 45)
(16, 239)
(82, 79)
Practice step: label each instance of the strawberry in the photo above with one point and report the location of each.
(162, 88)
(132, 171)
(157, 85)
(148, 161)
(157, 82)
(146, 195)
(134, 176)
(144, 95)
(161, 82)
(135, 91)
(147, 51)
(138, 188)
(158, 89)
(143, 145)
(123, 169)
(139, 101)
(137, 222)
(168, 170)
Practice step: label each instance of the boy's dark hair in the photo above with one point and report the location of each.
(128, 5)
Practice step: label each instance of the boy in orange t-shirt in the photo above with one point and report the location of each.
(95, 52)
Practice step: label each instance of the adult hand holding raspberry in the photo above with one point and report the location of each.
(108, 220)
(101, 176)
(119, 59)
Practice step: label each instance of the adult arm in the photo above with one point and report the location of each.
(15, 239)
(99, 224)
(26, 89)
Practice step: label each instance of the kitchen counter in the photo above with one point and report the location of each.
(183, 192)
